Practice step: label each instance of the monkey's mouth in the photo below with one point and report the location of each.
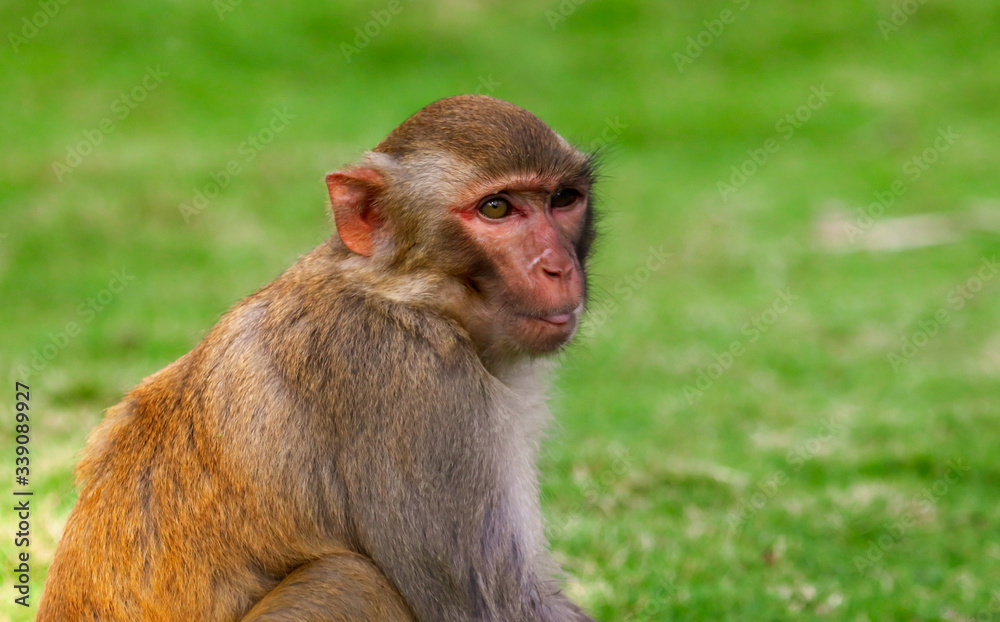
(562, 318)
(558, 319)
(543, 333)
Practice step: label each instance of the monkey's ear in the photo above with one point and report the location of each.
(353, 195)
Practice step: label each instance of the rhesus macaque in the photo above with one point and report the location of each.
(357, 440)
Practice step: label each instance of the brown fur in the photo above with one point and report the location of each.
(344, 588)
(340, 446)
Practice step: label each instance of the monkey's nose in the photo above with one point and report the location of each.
(557, 265)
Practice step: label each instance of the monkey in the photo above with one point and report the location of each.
(357, 440)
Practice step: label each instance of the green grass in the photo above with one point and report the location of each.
(754, 501)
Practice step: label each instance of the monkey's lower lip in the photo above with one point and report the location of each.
(559, 318)
(556, 319)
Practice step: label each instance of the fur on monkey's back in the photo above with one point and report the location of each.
(217, 446)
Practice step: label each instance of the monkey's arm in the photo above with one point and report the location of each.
(341, 586)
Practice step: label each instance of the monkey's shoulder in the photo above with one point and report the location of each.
(315, 333)
(369, 333)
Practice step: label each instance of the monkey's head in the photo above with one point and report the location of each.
(476, 207)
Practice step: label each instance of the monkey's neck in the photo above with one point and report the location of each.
(527, 374)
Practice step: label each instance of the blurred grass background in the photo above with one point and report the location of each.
(809, 479)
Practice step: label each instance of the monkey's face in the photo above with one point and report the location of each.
(527, 230)
(481, 197)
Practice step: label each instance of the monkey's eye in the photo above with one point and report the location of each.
(564, 197)
(497, 207)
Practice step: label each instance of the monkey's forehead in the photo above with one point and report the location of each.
(437, 175)
(495, 136)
